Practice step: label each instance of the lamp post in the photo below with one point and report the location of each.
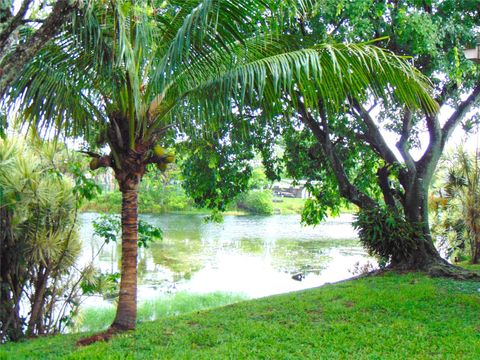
(473, 54)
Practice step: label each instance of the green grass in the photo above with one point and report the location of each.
(287, 206)
(97, 319)
(467, 265)
(392, 316)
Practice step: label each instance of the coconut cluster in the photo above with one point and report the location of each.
(163, 157)
(94, 164)
(98, 162)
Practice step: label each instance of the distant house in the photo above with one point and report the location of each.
(286, 188)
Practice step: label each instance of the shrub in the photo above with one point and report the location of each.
(256, 202)
(385, 234)
(39, 242)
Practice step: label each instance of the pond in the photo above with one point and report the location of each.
(252, 255)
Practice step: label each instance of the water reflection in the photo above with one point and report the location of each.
(253, 255)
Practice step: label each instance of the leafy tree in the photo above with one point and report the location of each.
(374, 153)
(132, 72)
(434, 33)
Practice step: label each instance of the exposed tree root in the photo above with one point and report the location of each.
(438, 268)
(103, 336)
(452, 271)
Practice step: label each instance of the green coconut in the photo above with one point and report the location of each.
(158, 150)
(94, 164)
(162, 167)
(170, 158)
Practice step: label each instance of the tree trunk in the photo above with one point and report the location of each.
(11, 280)
(476, 249)
(126, 316)
(425, 254)
(128, 175)
(35, 323)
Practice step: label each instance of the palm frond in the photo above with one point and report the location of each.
(331, 72)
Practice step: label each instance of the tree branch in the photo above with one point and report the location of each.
(403, 142)
(375, 138)
(91, 154)
(439, 135)
(13, 24)
(15, 61)
(36, 21)
(347, 189)
(383, 182)
(458, 115)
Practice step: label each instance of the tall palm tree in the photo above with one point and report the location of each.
(130, 71)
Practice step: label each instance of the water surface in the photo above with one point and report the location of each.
(253, 255)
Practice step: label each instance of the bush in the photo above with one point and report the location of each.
(39, 241)
(256, 202)
(155, 201)
(385, 234)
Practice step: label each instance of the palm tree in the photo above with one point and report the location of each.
(131, 72)
(463, 190)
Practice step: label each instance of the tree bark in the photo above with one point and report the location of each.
(476, 257)
(126, 316)
(11, 279)
(129, 167)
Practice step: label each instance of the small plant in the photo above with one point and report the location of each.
(361, 269)
(108, 227)
(106, 285)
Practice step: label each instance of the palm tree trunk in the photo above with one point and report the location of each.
(126, 316)
(476, 249)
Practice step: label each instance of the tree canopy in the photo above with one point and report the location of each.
(378, 154)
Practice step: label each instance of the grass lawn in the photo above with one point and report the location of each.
(385, 317)
(288, 206)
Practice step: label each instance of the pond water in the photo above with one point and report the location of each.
(253, 255)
